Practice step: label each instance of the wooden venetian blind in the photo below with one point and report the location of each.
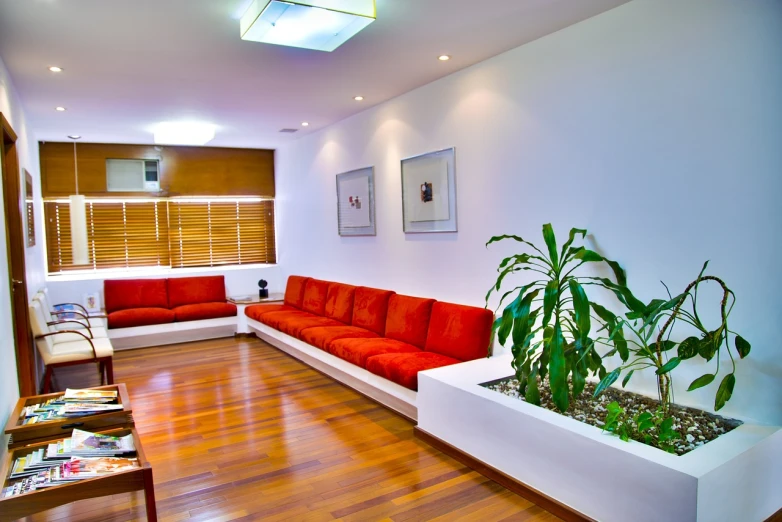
(120, 234)
(221, 232)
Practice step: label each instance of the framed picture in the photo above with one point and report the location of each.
(356, 202)
(92, 302)
(29, 209)
(429, 192)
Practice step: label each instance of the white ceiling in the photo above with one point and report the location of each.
(132, 63)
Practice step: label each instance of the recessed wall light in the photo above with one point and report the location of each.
(358, 98)
(74, 136)
(60, 109)
(305, 124)
(444, 57)
(54, 68)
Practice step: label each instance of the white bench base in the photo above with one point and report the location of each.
(389, 394)
(171, 333)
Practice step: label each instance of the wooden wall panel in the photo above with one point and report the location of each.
(184, 171)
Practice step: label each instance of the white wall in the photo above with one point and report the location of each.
(657, 126)
(27, 152)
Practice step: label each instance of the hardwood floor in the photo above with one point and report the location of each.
(237, 430)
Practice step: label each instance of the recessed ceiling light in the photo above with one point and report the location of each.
(184, 133)
(305, 124)
(74, 136)
(60, 109)
(358, 98)
(443, 57)
(54, 68)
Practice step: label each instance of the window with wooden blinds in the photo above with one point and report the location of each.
(120, 234)
(221, 232)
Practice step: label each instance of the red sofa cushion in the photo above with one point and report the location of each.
(295, 325)
(403, 368)
(274, 319)
(256, 311)
(315, 296)
(124, 294)
(408, 319)
(458, 331)
(370, 307)
(195, 290)
(140, 317)
(196, 312)
(294, 290)
(322, 336)
(339, 302)
(357, 351)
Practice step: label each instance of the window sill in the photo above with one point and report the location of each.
(130, 273)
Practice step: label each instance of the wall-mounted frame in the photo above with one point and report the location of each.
(429, 192)
(29, 208)
(356, 202)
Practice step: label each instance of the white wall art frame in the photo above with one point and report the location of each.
(429, 192)
(356, 202)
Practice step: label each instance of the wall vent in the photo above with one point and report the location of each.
(289, 131)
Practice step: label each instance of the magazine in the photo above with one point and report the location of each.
(88, 395)
(85, 443)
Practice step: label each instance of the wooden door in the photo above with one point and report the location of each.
(14, 224)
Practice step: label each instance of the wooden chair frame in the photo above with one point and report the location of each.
(105, 364)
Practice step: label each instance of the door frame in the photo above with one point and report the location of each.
(13, 201)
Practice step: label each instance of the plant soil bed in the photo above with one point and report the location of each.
(696, 427)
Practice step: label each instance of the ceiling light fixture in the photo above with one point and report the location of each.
(305, 124)
(322, 25)
(54, 68)
(74, 136)
(60, 109)
(358, 98)
(444, 57)
(184, 133)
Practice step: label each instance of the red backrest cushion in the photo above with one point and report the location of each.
(314, 300)
(294, 290)
(339, 302)
(123, 294)
(408, 319)
(195, 290)
(458, 331)
(370, 307)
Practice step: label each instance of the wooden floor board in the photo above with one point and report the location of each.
(237, 430)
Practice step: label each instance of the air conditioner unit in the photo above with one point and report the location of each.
(130, 175)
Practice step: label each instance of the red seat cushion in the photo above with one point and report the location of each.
(322, 336)
(140, 317)
(458, 331)
(196, 312)
(358, 351)
(294, 326)
(370, 307)
(408, 319)
(274, 319)
(294, 290)
(124, 294)
(256, 311)
(195, 290)
(315, 292)
(403, 368)
(339, 302)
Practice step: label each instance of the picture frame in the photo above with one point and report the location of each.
(92, 302)
(29, 208)
(429, 192)
(356, 202)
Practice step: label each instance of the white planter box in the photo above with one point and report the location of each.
(735, 477)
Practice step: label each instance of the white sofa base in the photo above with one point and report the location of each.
(389, 394)
(171, 333)
(735, 477)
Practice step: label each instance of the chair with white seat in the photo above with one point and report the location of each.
(69, 347)
(78, 314)
(56, 321)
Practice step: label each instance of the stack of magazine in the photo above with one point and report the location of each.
(84, 455)
(75, 403)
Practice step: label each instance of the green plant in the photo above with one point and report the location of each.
(651, 343)
(549, 321)
(651, 428)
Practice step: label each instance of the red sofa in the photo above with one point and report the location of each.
(145, 302)
(390, 335)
